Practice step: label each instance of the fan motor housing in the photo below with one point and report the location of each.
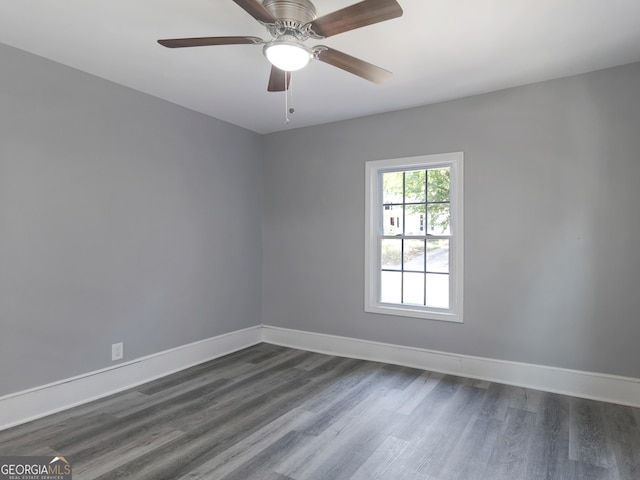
(299, 11)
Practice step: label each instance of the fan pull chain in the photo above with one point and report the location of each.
(288, 97)
(286, 100)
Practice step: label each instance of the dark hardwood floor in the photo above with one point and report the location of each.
(274, 413)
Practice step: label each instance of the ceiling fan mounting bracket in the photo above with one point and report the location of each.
(301, 11)
(293, 18)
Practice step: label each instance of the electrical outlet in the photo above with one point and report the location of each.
(117, 351)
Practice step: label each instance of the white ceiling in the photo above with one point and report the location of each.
(438, 50)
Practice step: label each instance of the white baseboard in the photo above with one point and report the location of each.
(595, 386)
(44, 400)
(22, 407)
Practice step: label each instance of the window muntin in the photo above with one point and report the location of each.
(414, 237)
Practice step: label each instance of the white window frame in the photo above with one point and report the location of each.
(373, 232)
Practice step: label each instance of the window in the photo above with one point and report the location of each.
(414, 237)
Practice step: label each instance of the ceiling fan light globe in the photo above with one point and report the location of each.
(287, 56)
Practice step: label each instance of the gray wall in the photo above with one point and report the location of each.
(125, 218)
(122, 218)
(552, 174)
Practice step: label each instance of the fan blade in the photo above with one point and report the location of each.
(358, 15)
(256, 10)
(351, 64)
(206, 41)
(279, 80)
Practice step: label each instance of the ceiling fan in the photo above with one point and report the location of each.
(291, 23)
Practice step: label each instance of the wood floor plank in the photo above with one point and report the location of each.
(636, 415)
(122, 453)
(588, 438)
(509, 457)
(399, 377)
(343, 403)
(497, 401)
(50, 434)
(470, 459)
(200, 373)
(522, 398)
(274, 413)
(331, 442)
(446, 433)
(238, 453)
(409, 398)
(208, 407)
(549, 450)
(430, 408)
(350, 447)
(263, 464)
(265, 354)
(315, 361)
(587, 471)
(623, 434)
(276, 476)
(382, 462)
(481, 384)
(358, 372)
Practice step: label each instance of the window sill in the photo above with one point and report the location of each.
(407, 311)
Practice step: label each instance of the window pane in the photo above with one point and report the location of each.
(413, 288)
(391, 254)
(438, 185)
(437, 290)
(438, 219)
(415, 220)
(414, 255)
(415, 186)
(390, 287)
(438, 255)
(392, 187)
(392, 220)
